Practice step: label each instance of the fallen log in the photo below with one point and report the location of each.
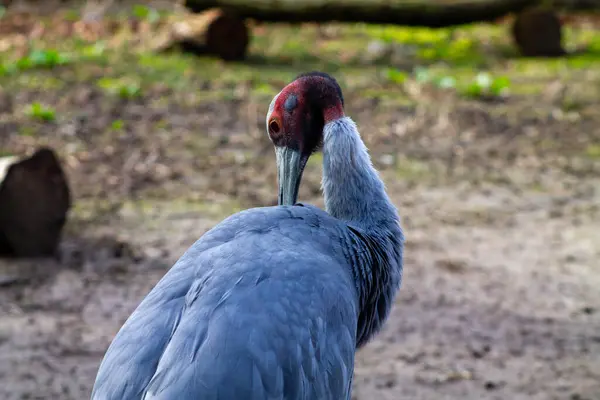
(427, 13)
(34, 202)
(431, 13)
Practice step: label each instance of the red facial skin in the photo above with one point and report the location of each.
(301, 126)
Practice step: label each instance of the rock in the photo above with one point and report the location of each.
(34, 201)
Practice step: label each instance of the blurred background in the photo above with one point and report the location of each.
(127, 130)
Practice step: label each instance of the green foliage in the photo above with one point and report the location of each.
(117, 125)
(146, 13)
(124, 88)
(461, 50)
(393, 75)
(448, 59)
(95, 51)
(36, 58)
(432, 45)
(407, 35)
(130, 91)
(7, 69)
(483, 85)
(487, 85)
(40, 112)
(479, 61)
(421, 74)
(49, 58)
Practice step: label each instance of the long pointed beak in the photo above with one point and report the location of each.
(290, 165)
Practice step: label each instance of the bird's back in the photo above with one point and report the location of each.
(263, 306)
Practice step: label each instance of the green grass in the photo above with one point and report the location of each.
(41, 112)
(593, 151)
(125, 88)
(476, 61)
(382, 69)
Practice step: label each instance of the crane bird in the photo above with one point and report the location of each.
(273, 302)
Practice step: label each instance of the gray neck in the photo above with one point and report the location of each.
(374, 241)
(352, 188)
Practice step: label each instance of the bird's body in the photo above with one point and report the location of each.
(272, 302)
(248, 319)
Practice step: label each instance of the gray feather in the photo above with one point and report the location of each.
(272, 302)
(262, 315)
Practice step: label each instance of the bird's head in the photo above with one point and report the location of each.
(295, 124)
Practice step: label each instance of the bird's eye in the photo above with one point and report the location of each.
(274, 126)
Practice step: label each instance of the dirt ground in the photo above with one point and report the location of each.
(500, 297)
(500, 203)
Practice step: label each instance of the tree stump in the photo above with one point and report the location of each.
(215, 32)
(34, 201)
(537, 33)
